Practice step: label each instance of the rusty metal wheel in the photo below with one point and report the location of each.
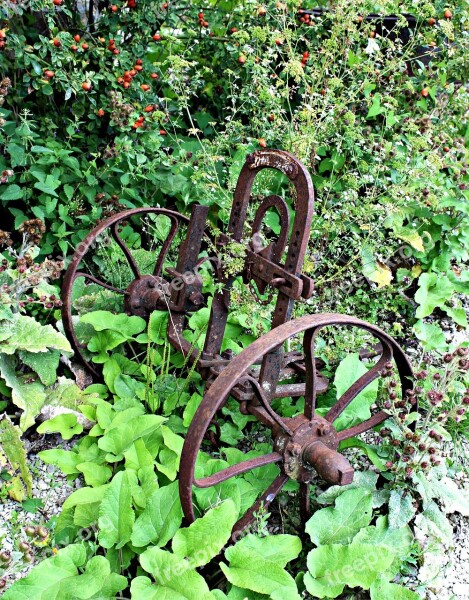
(120, 266)
(303, 445)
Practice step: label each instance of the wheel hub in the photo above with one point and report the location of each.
(144, 295)
(312, 448)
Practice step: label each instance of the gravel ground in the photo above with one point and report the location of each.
(49, 485)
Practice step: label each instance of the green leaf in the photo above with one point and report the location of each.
(119, 439)
(93, 473)
(434, 290)
(383, 590)
(66, 460)
(43, 582)
(25, 333)
(66, 424)
(13, 448)
(339, 524)
(175, 578)
(160, 519)
(430, 335)
(334, 566)
(116, 517)
(30, 397)
(280, 549)
(43, 363)
(401, 509)
(348, 371)
(250, 570)
(121, 323)
(203, 539)
(11, 192)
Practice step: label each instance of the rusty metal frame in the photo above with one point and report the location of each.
(303, 445)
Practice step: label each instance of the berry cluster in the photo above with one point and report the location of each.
(110, 205)
(202, 21)
(441, 405)
(33, 230)
(5, 85)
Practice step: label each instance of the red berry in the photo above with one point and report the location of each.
(114, 8)
(139, 61)
(242, 59)
(157, 37)
(85, 46)
(76, 37)
(448, 14)
(262, 11)
(163, 132)
(86, 85)
(424, 92)
(73, 48)
(145, 87)
(154, 75)
(57, 2)
(57, 43)
(149, 108)
(49, 74)
(138, 68)
(431, 21)
(100, 112)
(262, 143)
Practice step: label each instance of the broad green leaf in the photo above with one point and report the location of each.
(13, 448)
(118, 439)
(340, 523)
(93, 473)
(398, 541)
(25, 333)
(248, 569)
(430, 335)
(434, 524)
(204, 539)
(348, 371)
(43, 363)
(334, 566)
(84, 496)
(66, 460)
(174, 576)
(30, 397)
(121, 323)
(11, 192)
(434, 291)
(116, 516)
(280, 549)
(66, 424)
(411, 236)
(383, 590)
(401, 509)
(43, 582)
(90, 584)
(161, 518)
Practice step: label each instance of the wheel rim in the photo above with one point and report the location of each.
(309, 435)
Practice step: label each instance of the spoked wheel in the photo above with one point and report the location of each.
(121, 266)
(305, 445)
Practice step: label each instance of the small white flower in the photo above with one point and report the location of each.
(372, 46)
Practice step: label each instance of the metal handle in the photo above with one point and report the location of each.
(329, 464)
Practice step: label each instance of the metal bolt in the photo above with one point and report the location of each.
(296, 449)
(324, 429)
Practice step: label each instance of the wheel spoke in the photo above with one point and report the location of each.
(267, 497)
(305, 509)
(311, 388)
(125, 250)
(360, 384)
(166, 244)
(99, 282)
(376, 419)
(238, 469)
(259, 392)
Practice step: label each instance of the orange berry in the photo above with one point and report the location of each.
(157, 37)
(85, 46)
(114, 8)
(139, 61)
(126, 85)
(279, 41)
(138, 68)
(49, 74)
(133, 72)
(154, 75)
(262, 11)
(359, 18)
(86, 85)
(262, 143)
(242, 59)
(431, 21)
(425, 92)
(145, 87)
(448, 14)
(149, 108)
(57, 2)
(100, 112)
(57, 43)
(76, 37)
(163, 132)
